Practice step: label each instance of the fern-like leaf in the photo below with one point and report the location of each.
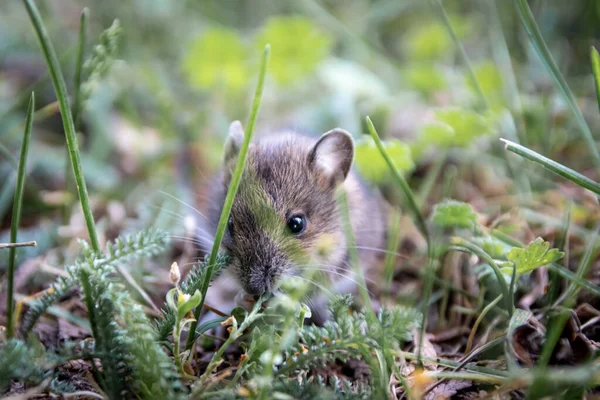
(126, 346)
(163, 326)
(146, 243)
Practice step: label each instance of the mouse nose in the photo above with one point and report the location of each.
(256, 290)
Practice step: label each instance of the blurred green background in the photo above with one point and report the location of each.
(173, 74)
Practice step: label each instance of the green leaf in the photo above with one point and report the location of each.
(440, 133)
(428, 41)
(537, 254)
(217, 59)
(298, 46)
(186, 306)
(490, 81)
(374, 167)
(426, 78)
(452, 213)
(171, 302)
(467, 124)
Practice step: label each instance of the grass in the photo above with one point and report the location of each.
(16, 218)
(233, 186)
(60, 87)
(536, 38)
(402, 184)
(553, 166)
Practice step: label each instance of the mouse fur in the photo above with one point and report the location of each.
(287, 175)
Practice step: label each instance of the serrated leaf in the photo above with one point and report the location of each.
(298, 46)
(217, 58)
(536, 255)
(372, 165)
(452, 213)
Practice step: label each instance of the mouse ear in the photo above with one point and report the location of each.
(235, 138)
(331, 157)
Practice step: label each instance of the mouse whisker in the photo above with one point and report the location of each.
(323, 288)
(381, 251)
(197, 239)
(342, 275)
(185, 204)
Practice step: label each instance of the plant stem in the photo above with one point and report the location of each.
(537, 39)
(77, 106)
(77, 101)
(463, 55)
(16, 218)
(353, 257)
(58, 81)
(461, 244)
(553, 166)
(233, 336)
(420, 220)
(478, 321)
(14, 245)
(233, 187)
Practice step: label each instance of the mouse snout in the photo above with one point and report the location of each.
(255, 289)
(258, 282)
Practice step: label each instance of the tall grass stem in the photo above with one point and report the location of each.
(233, 187)
(553, 166)
(16, 218)
(58, 81)
(536, 38)
(410, 197)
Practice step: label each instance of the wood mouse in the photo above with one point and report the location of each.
(286, 216)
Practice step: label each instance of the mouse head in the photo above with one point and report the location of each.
(285, 215)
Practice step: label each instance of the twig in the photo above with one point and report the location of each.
(33, 243)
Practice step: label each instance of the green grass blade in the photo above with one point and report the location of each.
(389, 263)
(544, 53)
(463, 54)
(16, 217)
(77, 106)
(58, 81)
(586, 263)
(553, 166)
(596, 70)
(582, 283)
(233, 186)
(412, 203)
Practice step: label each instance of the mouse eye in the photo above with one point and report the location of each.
(297, 224)
(230, 224)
